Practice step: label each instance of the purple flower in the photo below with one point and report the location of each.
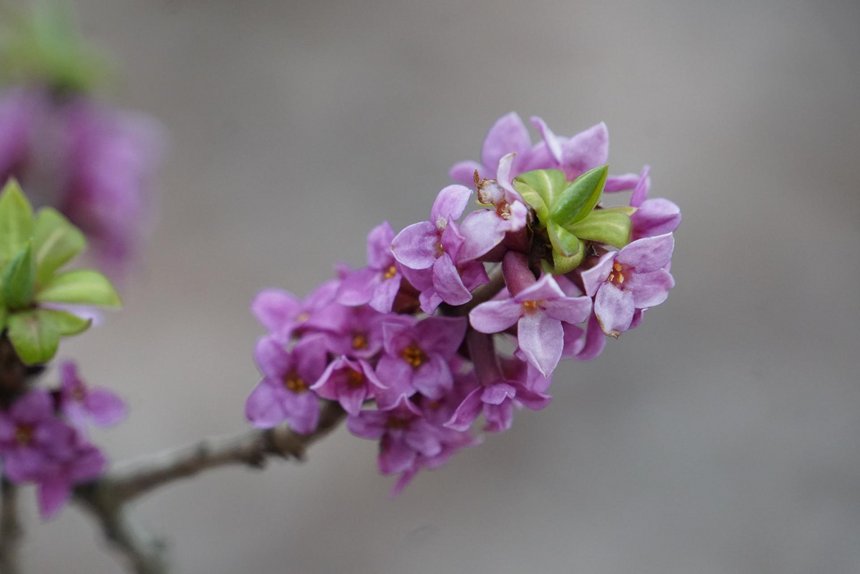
(356, 332)
(653, 217)
(111, 159)
(633, 278)
(284, 393)
(417, 357)
(435, 245)
(403, 435)
(508, 135)
(18, 112)
(31, 435)
(80, 403)
(348, 382)
(378, 283)
(486, 228)
(500, 390)
(538, 311)
(73, 466)
(284, 315)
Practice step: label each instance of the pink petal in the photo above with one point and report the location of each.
(541, 340)
(450, 203)
(507, 135)
(640, 192)
(464, 172)
(447, 282)
(552, 142)
(495, 316)
(416, 245)
(395, 456)
(274, 308)
(596, 276)
(649, 253)
(483, 229)
(650, 289)
(543, 289)
(379, 246)
(271, 357)
(106, 409)
(568, 309)
(52, 496)
(614, 309)
(385, 294)
(433, 379)
(264, 406)
(467, 412)
(655, 217)
(585, 150)
(624, 182)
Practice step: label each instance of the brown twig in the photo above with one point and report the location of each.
(10, 529)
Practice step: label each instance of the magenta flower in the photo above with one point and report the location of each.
(378, 283)
(403, 433)
(435, 245)
(633, 278)
(484, 229)
(417, 357)
(18, 111)
(500, 390)
(31, 436)
(285, 315)
(80, 403)
(349, 382)
(356, 332)
(538, 311)
(284, 393)
(73, 466)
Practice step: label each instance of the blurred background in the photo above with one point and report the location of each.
(721, 437)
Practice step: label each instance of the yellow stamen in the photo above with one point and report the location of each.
(355, 379)
(359, 341)
(616, 276)
(390, 272)
(24, 435)
(414, 356)
(530, 306)
(295, 383)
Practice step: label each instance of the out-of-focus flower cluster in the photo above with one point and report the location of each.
(93, 163)
(43, 437)
(409, 345)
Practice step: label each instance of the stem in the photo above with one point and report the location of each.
(10, 529)
(250, 448)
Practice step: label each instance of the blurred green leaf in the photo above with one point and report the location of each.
(540, 188)
(16, 221)
(56, 242)
(610, 226)
(19, 278)
(79, 287)
(35, 341)
(65, 323)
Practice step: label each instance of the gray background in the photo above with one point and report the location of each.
(721, 437)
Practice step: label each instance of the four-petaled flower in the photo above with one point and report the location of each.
(633, 278)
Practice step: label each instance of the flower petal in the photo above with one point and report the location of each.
(541, 340)
(552, 142)
(464, 172)
(614, 309)
(649, 253)
(568, 309)
(447, 282)
(483, 229)
(507, 135)
(495, 316)
(596, 276)
(467, 412)
(650, 289)
(379, 246)
(416, 246)
(275, 308)
(585, 150)
(264, 407)
(450, 203)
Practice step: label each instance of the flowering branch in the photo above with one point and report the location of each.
(10, 529)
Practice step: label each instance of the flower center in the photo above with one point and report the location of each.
(414, 356)
(530, 306)
(390, 272)
(24, 434)
(355, 379)
(503, 210)
(78, 394)
(295, 383)
(616, 276)
(398, 422)
(359, 341)
(302, 317)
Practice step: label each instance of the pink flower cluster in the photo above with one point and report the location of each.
(409, 344)
(93, 163)
(43, 438)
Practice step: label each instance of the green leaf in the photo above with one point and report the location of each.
(578, 199)
(540, 188)
(65, 323)
(563, 241)
(16, 221)
(35, 341)
(610, 226)
(19, 279)
(80, 287)
(56, 242)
